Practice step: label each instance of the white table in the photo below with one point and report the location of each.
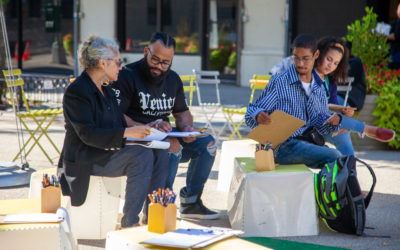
(128, 239)
(44, 236)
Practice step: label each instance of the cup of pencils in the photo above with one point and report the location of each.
(264, 157)
(50, 194)
(162, 211)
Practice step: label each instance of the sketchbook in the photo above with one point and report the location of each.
(157, 135)
(192, 237)
(149, 144)
(338, 108)
(282, 127)
(185, 134)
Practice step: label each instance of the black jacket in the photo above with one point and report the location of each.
(395, 44)
(94, 129)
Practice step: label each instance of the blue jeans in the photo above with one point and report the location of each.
(201, 157)
(342, 143)
(294, 151)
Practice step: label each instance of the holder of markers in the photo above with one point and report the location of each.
(162, 211)
(264, 157)
(50, 194)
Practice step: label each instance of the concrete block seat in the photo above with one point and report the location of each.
(274, 203)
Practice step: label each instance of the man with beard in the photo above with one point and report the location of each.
(149, 90)
(299, 92)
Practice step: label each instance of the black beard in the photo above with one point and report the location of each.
(150, 77)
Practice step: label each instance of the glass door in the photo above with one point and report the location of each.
(223, 37)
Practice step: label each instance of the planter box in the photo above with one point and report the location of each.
(367, 117)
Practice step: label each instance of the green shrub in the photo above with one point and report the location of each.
(232, 60)
(68, 44)
(387, 110)
(218, 59)
(370, 46)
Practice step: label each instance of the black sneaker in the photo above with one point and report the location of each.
(197, 211)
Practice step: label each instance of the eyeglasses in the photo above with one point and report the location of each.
(118, 62)
(155, 61)
(305, 60)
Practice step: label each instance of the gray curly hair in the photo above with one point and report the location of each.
(96, 48)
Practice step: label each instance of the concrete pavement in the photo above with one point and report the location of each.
(382, 214)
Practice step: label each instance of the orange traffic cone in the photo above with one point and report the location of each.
(16, 52)
(128, 44)
(26, 54)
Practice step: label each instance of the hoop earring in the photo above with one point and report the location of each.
(105, 80)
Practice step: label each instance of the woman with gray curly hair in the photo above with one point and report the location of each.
(96, 132)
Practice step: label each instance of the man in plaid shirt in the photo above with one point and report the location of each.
(299, 92)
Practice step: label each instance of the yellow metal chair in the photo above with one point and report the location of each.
(191, 88)
(43, 118)
(258, 82)
(188, 87)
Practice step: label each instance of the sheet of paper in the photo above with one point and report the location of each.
(31, 218)
(150, 144)
(183, 238)
(226, 233)
(282, 127)
(184, 134)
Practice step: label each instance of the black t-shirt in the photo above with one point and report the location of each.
(145, 102)
(358, 87)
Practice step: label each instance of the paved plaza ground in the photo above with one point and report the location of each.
(382, 214)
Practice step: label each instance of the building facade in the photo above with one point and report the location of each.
(239, 38)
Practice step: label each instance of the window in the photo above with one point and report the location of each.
(179, 18)
(67, 9)
(12, 9)
(35, 8)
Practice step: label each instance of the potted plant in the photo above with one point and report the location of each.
(370, 46)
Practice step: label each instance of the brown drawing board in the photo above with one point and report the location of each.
(282, 127)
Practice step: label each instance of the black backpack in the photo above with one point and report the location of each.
(340, 203)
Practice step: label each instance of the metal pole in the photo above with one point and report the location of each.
(76, 15)
(20, 38)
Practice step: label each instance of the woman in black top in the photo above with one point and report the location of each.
(94, 143)
(394, 38)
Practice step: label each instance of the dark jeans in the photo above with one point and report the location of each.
(146, 170)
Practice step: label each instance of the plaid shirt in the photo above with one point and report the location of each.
(286, 93)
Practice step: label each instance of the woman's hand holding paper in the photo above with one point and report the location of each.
(137, 132)
(347, 111)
